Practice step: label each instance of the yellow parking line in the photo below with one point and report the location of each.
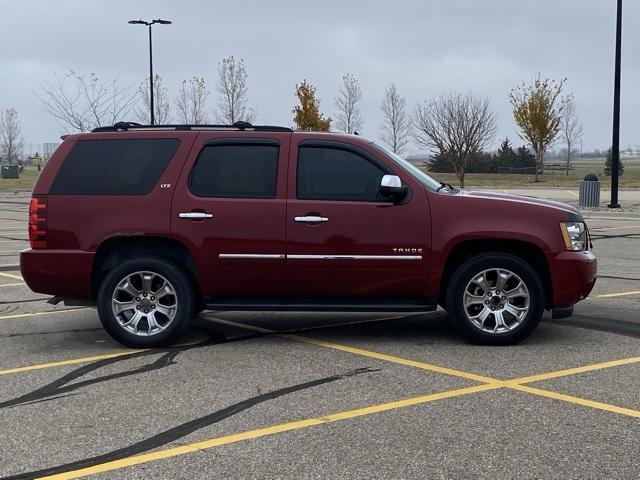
(574, 371)
(394, 359)
(12, 284)
(62, 363)
(577, 400)
(572, 193)
(37, 314)
(274, 429)
(10, 275)
(621, 294)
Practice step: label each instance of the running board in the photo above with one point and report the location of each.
(320, 305)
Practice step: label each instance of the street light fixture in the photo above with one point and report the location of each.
(148, 24)
(615, 147)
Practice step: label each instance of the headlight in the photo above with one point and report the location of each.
(574, 235)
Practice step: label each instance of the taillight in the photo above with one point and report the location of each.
(38, 222)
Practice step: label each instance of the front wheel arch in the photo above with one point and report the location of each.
(528, 252)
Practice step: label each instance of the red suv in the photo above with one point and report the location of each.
(154, 224)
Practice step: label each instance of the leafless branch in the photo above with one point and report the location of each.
(232, 92)
(570, 127)
(81, 103)
(396, 126)
(161, 103)
(348, 118)
(10, 135)
(192, 101)
(455, 126)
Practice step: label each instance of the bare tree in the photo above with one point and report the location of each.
(455, 126)
(348, 118)
(232, 92)
(81, 102)
(161, 103)
(10, 135)
(570, 127)
(396, 127)
(191, 101)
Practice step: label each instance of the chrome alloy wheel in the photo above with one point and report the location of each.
(144, 303)
(496, 301)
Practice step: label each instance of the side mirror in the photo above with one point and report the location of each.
(391, 186)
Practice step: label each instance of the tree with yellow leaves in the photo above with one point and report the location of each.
(307, 115)
(537, 110)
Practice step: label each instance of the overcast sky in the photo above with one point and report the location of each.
(427, 47)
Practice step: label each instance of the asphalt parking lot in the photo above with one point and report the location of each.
(301, 395)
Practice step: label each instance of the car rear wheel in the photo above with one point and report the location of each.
(146, 302)
(495, 299)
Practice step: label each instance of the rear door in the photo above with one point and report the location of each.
(343, 238)
(229, 206)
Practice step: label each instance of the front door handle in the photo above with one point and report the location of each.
(311, 219)
(195, 215)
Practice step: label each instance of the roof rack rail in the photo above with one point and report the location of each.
(124, 126)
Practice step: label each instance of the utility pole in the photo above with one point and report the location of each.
(615, 147)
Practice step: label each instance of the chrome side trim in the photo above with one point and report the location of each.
(319, 257)
(251, 255)
(355, 257)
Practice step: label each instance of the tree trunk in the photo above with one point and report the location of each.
(538, 163)
(568, 158)
(460, 174)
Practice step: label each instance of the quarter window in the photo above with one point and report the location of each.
(335, 174)
(114, 167)
(236, 171)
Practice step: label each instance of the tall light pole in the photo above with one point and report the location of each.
(615, 147)
(148, 24)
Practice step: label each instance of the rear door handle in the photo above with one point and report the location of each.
(311, 219)
(195, 215)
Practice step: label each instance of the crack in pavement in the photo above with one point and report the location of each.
(62, 385)
(73, 330)
(187, 428)
(633, 236)
(25, 301)
(613, 277)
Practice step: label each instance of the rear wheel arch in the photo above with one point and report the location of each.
(116, 250)
(526, 251)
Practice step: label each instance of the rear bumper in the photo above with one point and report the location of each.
(573, 276)
(64, 273)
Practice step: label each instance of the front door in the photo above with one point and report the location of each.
(229, 207)
(344, 239)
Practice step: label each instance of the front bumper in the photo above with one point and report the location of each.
(64, 273)
(573, 275)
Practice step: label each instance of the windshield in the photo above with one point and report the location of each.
(410, 168)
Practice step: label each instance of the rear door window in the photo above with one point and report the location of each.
(236, 171)
(114, 167)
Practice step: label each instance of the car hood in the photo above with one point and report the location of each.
(521, 199)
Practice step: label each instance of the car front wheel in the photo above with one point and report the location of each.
(495, 299)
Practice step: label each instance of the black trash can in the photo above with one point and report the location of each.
(589, 191)
(9, 171)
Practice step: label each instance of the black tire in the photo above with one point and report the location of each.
(473, 267)
(185, 308)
